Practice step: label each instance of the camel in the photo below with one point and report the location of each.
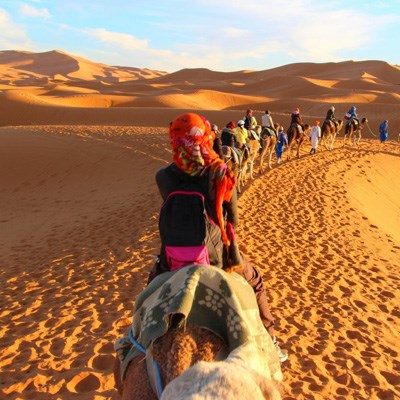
(329, 132)
(296, 136)
(268, 144)
(199, 342)
(231, 159)
(353, 131)
(254, 141)
(240, 376)
(234, 159)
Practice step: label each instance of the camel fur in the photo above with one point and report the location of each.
(268, 144)
(245, 374)
(174, 353)
(231, 159)
(296, 136)
(329, 132)
(180, 319)
(254, 148)
(353, 132)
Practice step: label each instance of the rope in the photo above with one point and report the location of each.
(372, 133)
(156, 368)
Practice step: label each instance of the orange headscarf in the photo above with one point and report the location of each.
(192, 139)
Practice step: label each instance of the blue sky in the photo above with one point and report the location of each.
(222, 35)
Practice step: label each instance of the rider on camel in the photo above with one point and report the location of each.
(330, 117)
(228, 137)
(296, 120)
(250, 121)
(196, 165)
(351, 115)
(242, 139)
(267, 124)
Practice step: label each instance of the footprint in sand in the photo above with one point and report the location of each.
(392, 378)
(83, 383)
(102, 362)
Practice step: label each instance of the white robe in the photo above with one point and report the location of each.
(315, 134)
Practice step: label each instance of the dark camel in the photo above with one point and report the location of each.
(296, 136)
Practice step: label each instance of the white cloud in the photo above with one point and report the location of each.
(122, 40)
(13, 36)
(30, 11)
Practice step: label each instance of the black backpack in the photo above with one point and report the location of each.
(188, 234)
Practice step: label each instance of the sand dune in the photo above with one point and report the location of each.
(80, 144)
(63, 80)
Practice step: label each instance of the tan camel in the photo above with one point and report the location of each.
(254, 141)
(328, 133)
(232, 160)
(240, 376)
(174, 352)
(353, 131)
(229, 353)
(268, 144)
(296, 136)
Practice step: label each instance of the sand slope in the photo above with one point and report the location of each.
(79, 229)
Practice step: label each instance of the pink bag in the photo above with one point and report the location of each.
(179, 256)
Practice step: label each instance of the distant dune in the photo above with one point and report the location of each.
(80, 144)
(58, 88)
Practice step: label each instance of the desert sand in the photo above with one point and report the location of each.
(80, 144)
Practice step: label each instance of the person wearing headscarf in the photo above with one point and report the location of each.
(228, 134)
(352, 115)
(217, 145)
(384, 131)
(296, 120)
(330, 116)
(195, 161)
(241, 134)
(280, 144)
(315, 134)
(228, 138)
(242, 139)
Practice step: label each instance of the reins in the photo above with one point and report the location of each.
(155, 365)
(372, 133)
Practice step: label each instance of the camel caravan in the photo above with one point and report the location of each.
(268, 139)
(198, 331)
(240, 146)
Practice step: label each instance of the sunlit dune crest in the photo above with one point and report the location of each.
(58, 79)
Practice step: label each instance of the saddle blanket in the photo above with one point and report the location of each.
(206, 297)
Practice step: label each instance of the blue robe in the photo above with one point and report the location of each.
(280, 145)
(383, 131)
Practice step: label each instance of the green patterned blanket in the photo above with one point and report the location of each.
(207, 297)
